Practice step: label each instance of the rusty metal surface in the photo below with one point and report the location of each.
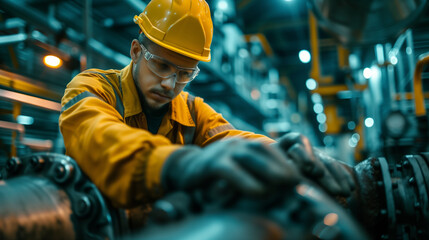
(34, 208)
(88, 210)
(391, 199)
(46, 196)
(366, 202)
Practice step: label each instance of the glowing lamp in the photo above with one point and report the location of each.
(52, 61)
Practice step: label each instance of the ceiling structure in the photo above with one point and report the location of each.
(100, 31)
(103, 30)
(283, 23)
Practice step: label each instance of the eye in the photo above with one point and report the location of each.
(186, 74)
(161, 66)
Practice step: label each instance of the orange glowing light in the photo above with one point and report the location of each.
(255, 94)
(330, 219)
(52, 61)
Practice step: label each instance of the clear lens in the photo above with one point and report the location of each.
(165, 69)
(161, 68)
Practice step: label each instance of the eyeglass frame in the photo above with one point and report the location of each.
(148, 55)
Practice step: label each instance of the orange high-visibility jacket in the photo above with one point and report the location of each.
(105, 131)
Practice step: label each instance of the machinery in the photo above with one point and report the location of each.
(392, 199)
(44, 195)
(51, 197)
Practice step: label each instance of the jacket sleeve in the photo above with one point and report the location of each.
(211, 127)
(123, 162)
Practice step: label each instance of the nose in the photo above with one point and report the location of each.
(169, 83)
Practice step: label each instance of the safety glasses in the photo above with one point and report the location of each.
(165, 69)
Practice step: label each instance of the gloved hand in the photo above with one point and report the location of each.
(334, 176)
(251, 168)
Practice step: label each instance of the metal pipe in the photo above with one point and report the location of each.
(31, 15)
(12, 126)
(109, 53)
(137, 5)
(24, 84)
(17, 106)
(12, 23)
(12, 39)
(35, 101)
(37, 144)
(34, 208)
(315, 67)
(419, 100)
(87, 29)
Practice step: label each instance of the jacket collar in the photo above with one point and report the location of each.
(130, 96)
(179, 111)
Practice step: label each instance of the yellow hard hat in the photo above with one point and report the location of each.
(183, 26)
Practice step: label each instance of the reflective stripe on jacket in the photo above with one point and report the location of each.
(105, 131)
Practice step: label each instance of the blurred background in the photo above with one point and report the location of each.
(340, 72)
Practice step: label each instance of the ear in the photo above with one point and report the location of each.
(135, 51)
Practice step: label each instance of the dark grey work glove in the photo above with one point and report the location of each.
(334, 176)
(251, 168)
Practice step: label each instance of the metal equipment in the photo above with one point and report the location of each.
(405, 129)
(300, 212)
(366, 21)
(45, 195)
(391, 200)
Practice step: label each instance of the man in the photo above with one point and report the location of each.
(136, 134)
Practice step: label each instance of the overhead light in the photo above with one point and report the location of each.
(369, 122)
(351, 125)
(255, 94)
(394, 60)
(396, 124)
(323, 127)
(356, 137)
(354, 140)
(409, 50)
(295, 118)
(321, 118)
(367, 73)
(304, 56)
(222, 5)
(52, 61)
(24, 120)
(330, 219)
(311, 84)
(316, 98)
(243, 53)
(354, 61)
(318, 108)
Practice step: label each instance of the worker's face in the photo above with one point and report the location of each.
(156, 90)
